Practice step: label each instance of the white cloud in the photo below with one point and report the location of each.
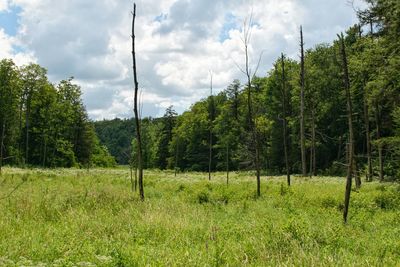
(7, 44)
(178, 42)
(3, 5)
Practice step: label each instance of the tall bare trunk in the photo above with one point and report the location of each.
(247, 35)
(227, 164)
(368, 139)
(3, 131)
(131, 176)
(378, 136)
(254, 135)
(285, 134)
(350, 122)
(302, 131)
(20, 131)
(176, 157)
(313, 156)
(211, 119)
(136, 110)
(356, 175)
(27, 114)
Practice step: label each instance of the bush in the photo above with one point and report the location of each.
(203, 197)
(388, 200)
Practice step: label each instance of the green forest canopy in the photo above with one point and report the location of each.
(47, 125)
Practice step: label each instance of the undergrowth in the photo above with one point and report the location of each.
(91, 218)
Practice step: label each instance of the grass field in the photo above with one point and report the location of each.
(80, 218)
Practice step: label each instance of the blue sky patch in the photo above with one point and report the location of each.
(161, 17)
(229, 24)
(9, 20)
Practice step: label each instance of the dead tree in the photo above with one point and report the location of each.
(284, 110)
(27, 125)
(227, 163)
(3, 131)
(136, 111)
(350, 162)
(176, 156)
(369, 173)
(313, 154)
(211, 120)
(302, 122)
(378, 137)
(367, 137)
(250, 75)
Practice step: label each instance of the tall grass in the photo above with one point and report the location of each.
(78, 218)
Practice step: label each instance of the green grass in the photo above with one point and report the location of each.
(77, 218)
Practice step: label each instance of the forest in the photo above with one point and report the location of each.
(222, 121)
(259, 173)
(43, 124)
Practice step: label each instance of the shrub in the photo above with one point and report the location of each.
(203, 197)
(388, 200)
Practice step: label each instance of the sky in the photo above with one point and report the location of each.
(179, 42)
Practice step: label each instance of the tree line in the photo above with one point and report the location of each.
(295, 118)
(44, 124)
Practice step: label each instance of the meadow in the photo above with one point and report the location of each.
(71, 217)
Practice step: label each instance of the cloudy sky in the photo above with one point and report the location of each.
(178, 43)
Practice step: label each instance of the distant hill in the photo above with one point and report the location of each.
(117, 135)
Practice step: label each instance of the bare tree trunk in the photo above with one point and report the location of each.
(27, 114)
(371, 27)
(254, 133)
(20, 131)
(136, 111)
(285, 137)
(351, 134)
(227, 164)
(310, 173)
(176, 157)
(378, 136)
(368, 139)
(131, 175)
(302, 131)
(211, 118)
(356, 176)
(2, 145)
(136, 178)
(313, 156)
(247, 72)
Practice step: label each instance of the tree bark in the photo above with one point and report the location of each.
(136, 111)
(313, 156)
(285, 137)
(27, 114)
(302, 88)
(20, 131)
(227, 164)
(211, 119)
(368, 139)
(378, 136)
(356, 175)
(246, 40)
(131, 175)
(350, 122)
(3, 130)
(176, 156)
